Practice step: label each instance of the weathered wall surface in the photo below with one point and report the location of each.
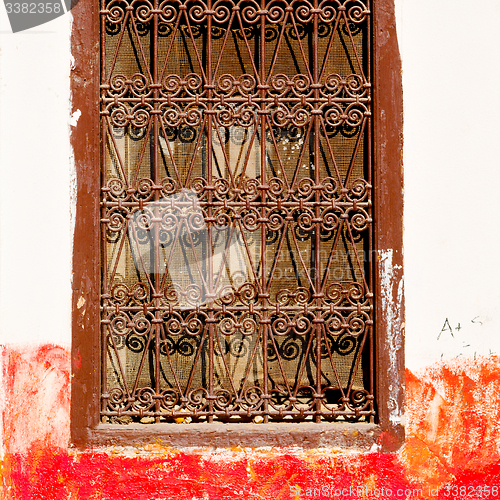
(451, 152)
(452, 447)
(450, 74)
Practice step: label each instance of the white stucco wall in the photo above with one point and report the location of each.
(451, 82)
(35, 240)
(451, 75)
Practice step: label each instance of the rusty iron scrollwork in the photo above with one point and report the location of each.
(236, 226)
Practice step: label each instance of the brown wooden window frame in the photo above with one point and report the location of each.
(86, 428)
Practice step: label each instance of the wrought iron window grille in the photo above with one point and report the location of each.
(238, 255)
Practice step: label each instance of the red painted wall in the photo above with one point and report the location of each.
(452, 448)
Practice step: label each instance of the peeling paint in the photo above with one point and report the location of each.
(74, 118)
(393, 320)
(73, 185)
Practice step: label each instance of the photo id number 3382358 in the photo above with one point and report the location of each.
(33, 8)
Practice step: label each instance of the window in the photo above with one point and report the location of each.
(238, 234)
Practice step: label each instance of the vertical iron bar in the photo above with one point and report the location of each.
(265, 289)
(103, 253)
(317, 198)
(210, 291)
(156, 244)
(204, 140)
(369, 159)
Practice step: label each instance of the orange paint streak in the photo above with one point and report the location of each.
(453, 415)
